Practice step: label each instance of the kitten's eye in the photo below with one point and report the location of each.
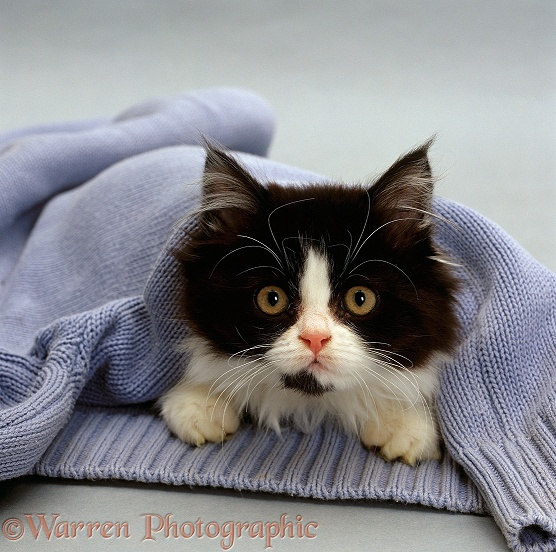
(360, 300)
(272, 300)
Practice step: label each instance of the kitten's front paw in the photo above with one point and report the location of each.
(409, 436)
(197, 417)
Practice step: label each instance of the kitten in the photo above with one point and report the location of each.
(312, 302)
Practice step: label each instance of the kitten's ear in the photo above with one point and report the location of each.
(229, 192)
(402, 196)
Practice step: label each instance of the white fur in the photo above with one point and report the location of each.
(387, 405)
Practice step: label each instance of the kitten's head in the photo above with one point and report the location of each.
(321, 285)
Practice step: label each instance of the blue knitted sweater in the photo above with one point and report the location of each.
(88, 215)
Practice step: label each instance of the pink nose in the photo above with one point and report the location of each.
(315, 340)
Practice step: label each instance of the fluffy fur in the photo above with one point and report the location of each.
(277, 282)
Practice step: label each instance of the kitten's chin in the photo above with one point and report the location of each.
(305, 382)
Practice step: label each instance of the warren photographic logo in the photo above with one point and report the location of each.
(51, 527)
(156, 527)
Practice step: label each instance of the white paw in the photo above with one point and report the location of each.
(407, 435)
(197, 417)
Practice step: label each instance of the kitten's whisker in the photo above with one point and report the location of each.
(243, 374)
(219, 396)
(348, 257)
(245, 360)
(237, 383)
(389, 263)
(377, 357)
(404, 371)
(358, 250)
(434, 215)
(429, 418)
(428, 412)
(254, 358)
(236, 368)
(267, 365)
(301, 238)
(389, 356)
(217, 383)
(275, 384)
(389, 392)
(240, 336)
(391, 385)
(258, 370)
(362, 382)
(393, 353)
(249, 377)
(400, 375)
(441, 259)
(239, 249)
(277, 209)
(337, 245)
(222, 386)
(264, 246)
(376, 343)
(370, 393)
(243, 351)
(261, 266)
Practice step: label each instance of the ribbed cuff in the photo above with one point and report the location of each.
(517, 479)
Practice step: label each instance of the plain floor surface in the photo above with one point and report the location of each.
(353, 84)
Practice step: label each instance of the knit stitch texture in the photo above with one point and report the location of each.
(88, 214)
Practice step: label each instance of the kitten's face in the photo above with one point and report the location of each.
(320, 287)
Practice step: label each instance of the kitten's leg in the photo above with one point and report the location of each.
(195, 416)
(407, 433)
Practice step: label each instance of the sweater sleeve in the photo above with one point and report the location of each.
(497, 403)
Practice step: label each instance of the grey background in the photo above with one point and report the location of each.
(353, 84)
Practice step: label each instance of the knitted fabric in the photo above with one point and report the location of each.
(88, 328)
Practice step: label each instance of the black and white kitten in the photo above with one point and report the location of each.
(315, 301)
